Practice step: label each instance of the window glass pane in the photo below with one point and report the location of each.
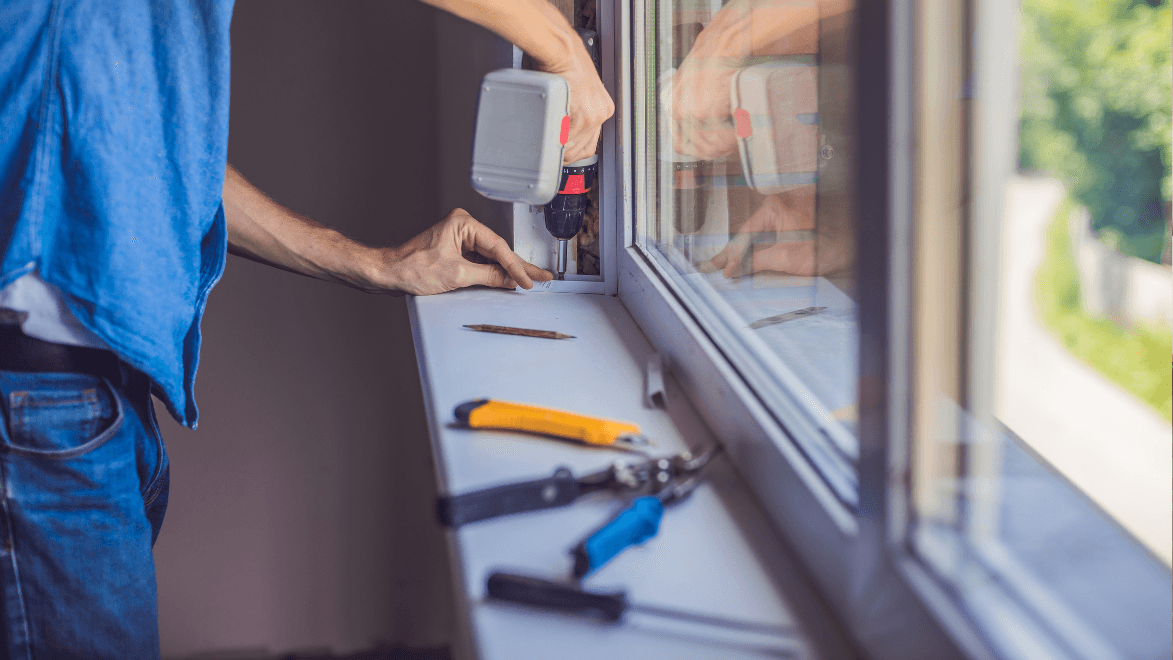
(1043, 458)
(1085, 314)
(1083, 318)
(749, 204)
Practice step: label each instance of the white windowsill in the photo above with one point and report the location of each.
(715, 553)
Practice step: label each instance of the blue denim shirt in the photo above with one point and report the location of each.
(113, 145)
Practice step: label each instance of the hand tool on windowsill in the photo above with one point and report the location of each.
(559, 490)
(506, 416)
(674, 480)
(611, 606)
(521, 332)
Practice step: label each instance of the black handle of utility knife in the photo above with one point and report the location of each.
(555, 595)
(558, 490)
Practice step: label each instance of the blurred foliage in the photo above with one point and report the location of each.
(1137, 360)
(1142, 243)
(1097, 76)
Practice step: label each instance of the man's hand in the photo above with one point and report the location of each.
(434, 261)
(537, 28)
(590, 104)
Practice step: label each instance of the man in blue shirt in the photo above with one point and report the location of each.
(117, 207)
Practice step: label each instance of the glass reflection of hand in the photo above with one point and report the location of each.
(698, 100)
(789, 211)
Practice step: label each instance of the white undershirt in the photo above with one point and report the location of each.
(40, 310)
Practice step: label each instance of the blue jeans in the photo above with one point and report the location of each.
(85, 480)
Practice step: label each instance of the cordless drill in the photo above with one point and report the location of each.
(564, 213)
(521, 130)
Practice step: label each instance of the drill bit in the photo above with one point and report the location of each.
(563, 247)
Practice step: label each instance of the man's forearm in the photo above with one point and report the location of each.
(534, 26)
(262, 230)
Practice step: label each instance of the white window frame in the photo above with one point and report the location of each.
(891, 598)
(849, 555)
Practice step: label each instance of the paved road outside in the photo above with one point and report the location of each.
(1110, 444)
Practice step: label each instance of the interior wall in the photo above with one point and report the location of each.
(301, 509)
(465, 52)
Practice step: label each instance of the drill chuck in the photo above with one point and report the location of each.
(564, 215)
(565, 212)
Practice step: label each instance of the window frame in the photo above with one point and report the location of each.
(964, 571)
(895, 601)
(851, 555)
(827, 446)
(645, 262)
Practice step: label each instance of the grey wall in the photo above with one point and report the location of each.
(301, 509)
(464, 54)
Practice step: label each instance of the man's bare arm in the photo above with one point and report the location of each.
(264, 231)
(537, 28)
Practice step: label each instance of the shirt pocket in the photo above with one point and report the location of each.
(61, 415)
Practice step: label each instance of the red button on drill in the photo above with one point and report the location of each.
(575, 185)
(741, 123)
(565, 134)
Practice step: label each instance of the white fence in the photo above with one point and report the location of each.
(1126, 289)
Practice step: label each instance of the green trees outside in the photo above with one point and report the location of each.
(1136, 359)
(1096, 82)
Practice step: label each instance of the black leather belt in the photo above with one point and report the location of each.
(19, 352)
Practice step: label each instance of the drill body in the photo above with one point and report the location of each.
(565, 212)
(522, 126)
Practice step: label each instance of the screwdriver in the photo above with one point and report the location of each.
(570, 598)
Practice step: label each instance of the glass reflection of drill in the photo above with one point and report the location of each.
(690, 191)
(564, 213)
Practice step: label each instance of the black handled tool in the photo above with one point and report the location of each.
(610, 606)
(557, 490)
(562, 488)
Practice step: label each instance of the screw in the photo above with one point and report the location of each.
(549, 493)
(827, 152)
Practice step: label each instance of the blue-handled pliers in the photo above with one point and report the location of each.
(673, 479)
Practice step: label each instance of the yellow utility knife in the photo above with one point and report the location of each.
(503, 415)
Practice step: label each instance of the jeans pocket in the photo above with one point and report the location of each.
(59, 415)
